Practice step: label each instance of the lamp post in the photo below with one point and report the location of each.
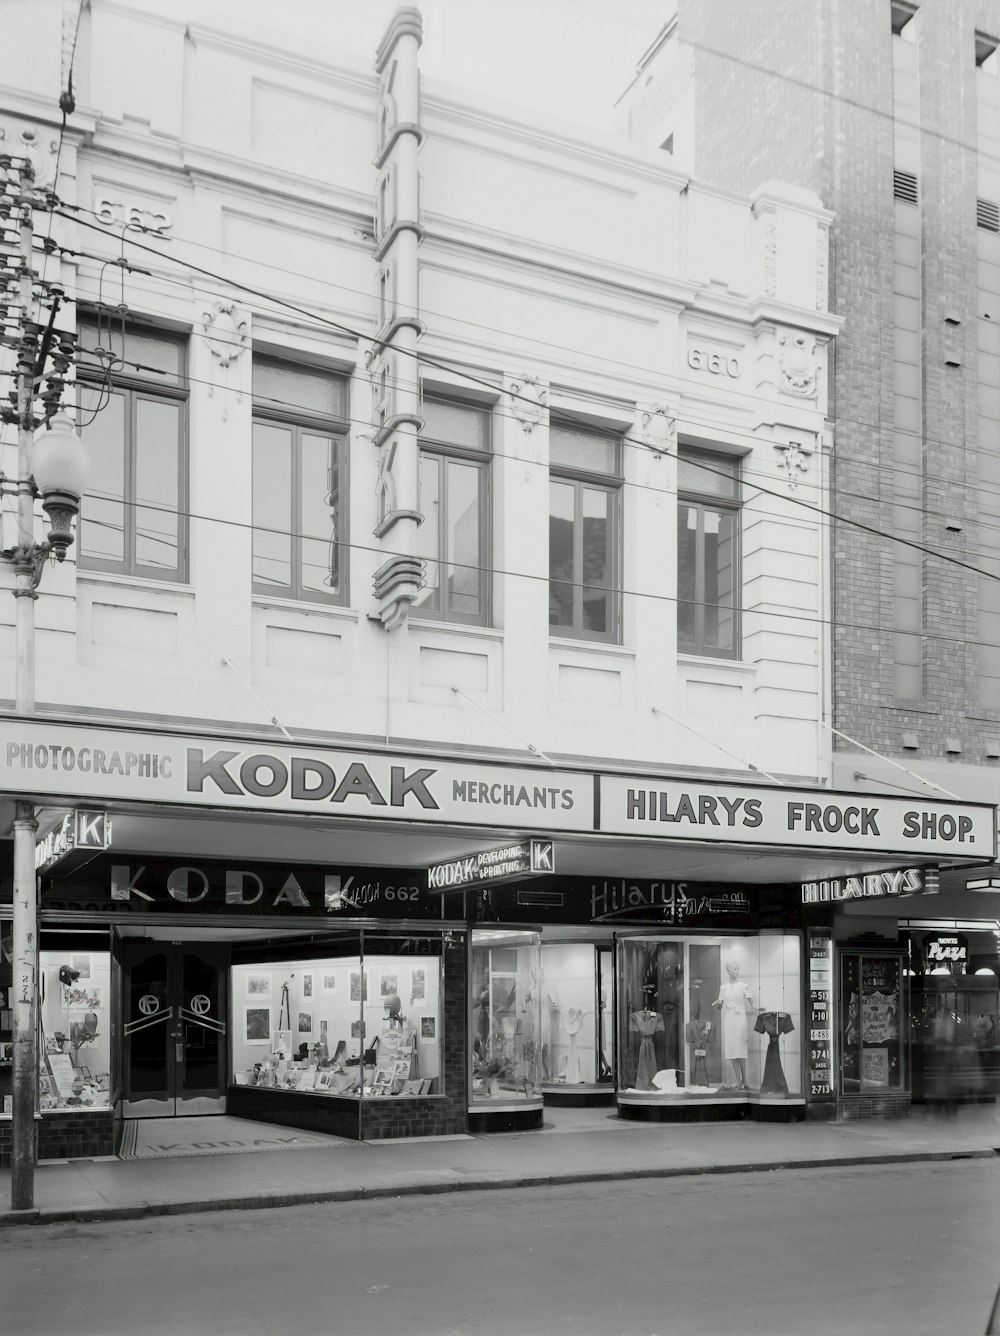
(52, 463)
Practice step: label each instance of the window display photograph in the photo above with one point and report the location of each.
(513, 1015)
(74, 1049)
(363, 1025)
(709, 1017)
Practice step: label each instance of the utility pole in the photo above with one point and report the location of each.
(27, 559)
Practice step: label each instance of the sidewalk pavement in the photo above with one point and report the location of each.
(574, 1146)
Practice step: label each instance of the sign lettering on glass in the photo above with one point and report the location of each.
(820, 950)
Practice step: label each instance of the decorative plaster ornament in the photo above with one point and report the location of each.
(798, 365)
(770, 258)
(657, 428)
(529, 399)
(794, 461)
(226, 333)
(25, 143)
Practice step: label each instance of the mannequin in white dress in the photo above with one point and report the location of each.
(733, 1000)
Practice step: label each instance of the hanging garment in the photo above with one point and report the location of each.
(773, 1024)
(574, 1024)
(647, 1024)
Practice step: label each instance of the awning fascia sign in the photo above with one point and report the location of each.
(102, 765)
(78, 832)
(504, 863)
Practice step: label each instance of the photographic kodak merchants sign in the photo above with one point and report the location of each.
(733, 814)
(85, 764)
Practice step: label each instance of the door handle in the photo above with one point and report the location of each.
(179, 1051)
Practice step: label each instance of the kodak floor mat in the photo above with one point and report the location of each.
(162, 1138)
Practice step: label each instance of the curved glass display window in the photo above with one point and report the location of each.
(505, 1020)
(74, 1051)
(708, 1017)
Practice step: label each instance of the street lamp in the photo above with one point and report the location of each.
(52, 464)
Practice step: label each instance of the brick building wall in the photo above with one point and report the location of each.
(802, 90)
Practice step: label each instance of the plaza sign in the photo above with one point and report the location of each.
(506, 863)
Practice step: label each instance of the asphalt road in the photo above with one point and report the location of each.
(906, 1248)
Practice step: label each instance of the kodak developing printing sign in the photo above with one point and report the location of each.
(731, 814)
(83, 763)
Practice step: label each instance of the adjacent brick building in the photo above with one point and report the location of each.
(891, 114)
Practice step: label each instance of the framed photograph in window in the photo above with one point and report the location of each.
(418, 983)
(428, 1027)
(389, 985)
(412, 1088)
(329, 981)
(259, 987)
(359, 986)
(305, 1022)
(307, 985)
(257, 1025)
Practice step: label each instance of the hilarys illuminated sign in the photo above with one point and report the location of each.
(87, 763)
(911, 881)
(736, 814)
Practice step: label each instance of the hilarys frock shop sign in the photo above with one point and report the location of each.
(83, 764)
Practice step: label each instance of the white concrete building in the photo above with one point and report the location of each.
(432, 446)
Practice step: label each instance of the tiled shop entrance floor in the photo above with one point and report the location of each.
(163, 1138)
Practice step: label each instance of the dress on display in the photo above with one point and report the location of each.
(773, 1024)
(574, 1024)
(735, 998)
(647, 1023)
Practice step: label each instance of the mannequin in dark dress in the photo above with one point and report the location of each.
(774, 1024)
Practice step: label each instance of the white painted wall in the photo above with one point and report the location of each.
(592, 265)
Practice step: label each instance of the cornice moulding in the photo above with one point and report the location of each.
(19, 104)
(138, 15)
(263, 51)
(766, 310)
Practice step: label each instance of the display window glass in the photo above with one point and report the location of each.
(506, 1015)
(872, 1003)
(577, 1032)
(700, 1017)
(74, 1050)
(366, 1024)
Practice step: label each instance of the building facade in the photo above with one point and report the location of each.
(890, 112)
(430, 719)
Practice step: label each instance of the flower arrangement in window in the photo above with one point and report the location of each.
(491, 1061)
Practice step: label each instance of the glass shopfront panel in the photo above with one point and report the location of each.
(361, 1024)
(577, 1032)
(74, 1051)
(872, 1002)
(703, 1016)
(506, 1015)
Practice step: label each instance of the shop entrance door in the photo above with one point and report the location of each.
(175, 1029)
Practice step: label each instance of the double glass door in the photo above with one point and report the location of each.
(175, 1011)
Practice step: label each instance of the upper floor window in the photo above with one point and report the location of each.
(585, 487)
(708, 577)
(133, 398)
(454, 501)
(299, 481)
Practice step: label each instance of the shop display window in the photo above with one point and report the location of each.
(700, 1017)
(74, 1050)
(361, 1025)
(506, 1021)
(872, 1002)
(576, 1038)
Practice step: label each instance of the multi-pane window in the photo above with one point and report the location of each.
(454, 536)
(584, 521)
(299, 481)
(708, 501)
(133, 413)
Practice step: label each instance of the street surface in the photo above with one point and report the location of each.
(908, 1248)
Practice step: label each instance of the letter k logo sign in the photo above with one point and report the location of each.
(542, 856)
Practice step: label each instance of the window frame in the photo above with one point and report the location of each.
(299, 420)
(482, 458)
(702, 501)
(134, 387)
(613, 484)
